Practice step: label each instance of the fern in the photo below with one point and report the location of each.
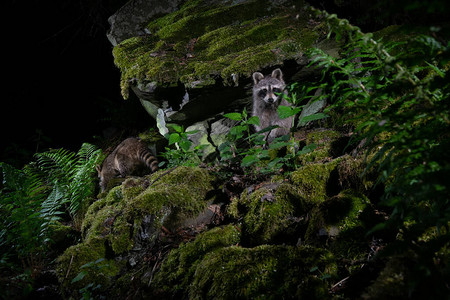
(397, 98)
(22, 229)
(81, 184)
(70, 176)
(33, 199)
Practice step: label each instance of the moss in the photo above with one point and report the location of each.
(112, 197)
(354, 174)
(85, 258)
(312, 180)
(179, 267)
(340, 222)
(183, 187)
(268, 212)
(327, 143)
(199, 42)
(111, 223)
(322, 137)
(273, 272)
(391, 283)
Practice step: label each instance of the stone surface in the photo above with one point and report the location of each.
(130, 20)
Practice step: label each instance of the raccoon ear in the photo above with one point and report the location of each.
(257, 77)
(277, 74)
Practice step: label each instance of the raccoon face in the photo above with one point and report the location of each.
(270, 88)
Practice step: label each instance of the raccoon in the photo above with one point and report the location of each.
(129, 157)
(268, 94)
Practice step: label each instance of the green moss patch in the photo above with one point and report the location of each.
(87, 260)
(336, 214)
(324, 140)
(312, 180)
(112, 223)
(272, 272)
(179, 267)
(268, 212)
(199, 42)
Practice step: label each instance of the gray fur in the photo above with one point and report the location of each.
(129, 157)
(266, 102)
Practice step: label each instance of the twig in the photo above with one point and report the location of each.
(68, 269)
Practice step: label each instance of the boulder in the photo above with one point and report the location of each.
(131, 18)
(196, 62)
(119, 229)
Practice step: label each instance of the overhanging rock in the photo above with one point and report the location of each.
(197, 61)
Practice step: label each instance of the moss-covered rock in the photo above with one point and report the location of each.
(202, 40)
(263, 272)
(316, 182)
(114, 224)
(341, 223)
(355, 174)
(268, 212)
(391, 283)
(178, 269)
(326, 148)
(88, 261)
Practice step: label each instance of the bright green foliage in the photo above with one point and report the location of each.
(183, 154)
(251, 150)
(396, 93)
(69, 175)
(34, 199)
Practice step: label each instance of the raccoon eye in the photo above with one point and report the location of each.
(262, 93)
(277, 90)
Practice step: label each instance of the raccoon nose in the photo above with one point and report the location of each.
(270, 100)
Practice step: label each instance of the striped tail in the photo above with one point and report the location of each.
(149, 160)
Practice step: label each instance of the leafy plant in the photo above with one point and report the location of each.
(34, 198)
(250, 149)
(182, 154)
(96, 266)
(23, 234)
(395, 94)
(69, 176)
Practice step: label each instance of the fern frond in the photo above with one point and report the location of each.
(57, 164)
(82, 185)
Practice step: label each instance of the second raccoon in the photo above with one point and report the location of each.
(128, 158)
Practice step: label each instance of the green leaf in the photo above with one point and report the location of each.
(249, 160)
(185, 145)
(278, 145)
(238, 131)
(307, 149)
(233, 116)
(313, 269)
(313, 117)
(287, 111)
(253, 120)
(437, 70)
(192, 132)
(174, 138)
(79, 277)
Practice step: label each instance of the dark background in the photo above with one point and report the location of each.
(61, 87)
